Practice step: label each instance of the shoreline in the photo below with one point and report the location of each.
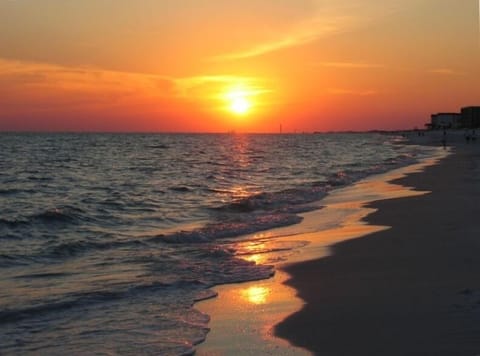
(341, 219)
(411, 289)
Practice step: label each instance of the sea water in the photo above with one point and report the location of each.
(107, 240)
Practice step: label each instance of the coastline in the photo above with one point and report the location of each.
(411, 289)
(341, 219)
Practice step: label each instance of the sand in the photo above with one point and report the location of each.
(243, 317)
(412, 289)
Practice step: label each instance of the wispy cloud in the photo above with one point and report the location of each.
(445, 71)
(326, 19)
(187, 83)
(341, 91)
(44, 75)
(351, 65)
(214, 85)
(305, 33)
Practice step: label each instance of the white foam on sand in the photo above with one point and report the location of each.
(243, 315)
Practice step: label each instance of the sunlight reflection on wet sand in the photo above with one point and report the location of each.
(256, 294)
(248, 313)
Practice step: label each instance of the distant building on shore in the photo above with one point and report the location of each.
(471, 117)
(449, 120)
(468, 118)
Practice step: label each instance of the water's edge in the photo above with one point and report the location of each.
(342, 215)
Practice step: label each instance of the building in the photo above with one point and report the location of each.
(447, 120)
(471, 117)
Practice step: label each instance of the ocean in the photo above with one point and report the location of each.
(108, 240)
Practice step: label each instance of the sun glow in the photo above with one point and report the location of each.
(239, 101)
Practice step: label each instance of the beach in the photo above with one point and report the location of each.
(397, 276)
(412, 289)
(239, 177)
(104, 285)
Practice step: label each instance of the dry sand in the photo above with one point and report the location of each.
(413, 289)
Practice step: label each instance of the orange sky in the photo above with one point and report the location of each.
(172, 65)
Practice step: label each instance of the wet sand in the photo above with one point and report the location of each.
(243, 316)
(413, 289)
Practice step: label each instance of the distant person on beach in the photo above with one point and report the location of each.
(444, 139)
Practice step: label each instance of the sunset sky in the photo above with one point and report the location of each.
(221, 65)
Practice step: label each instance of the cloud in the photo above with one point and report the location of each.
(186, 83)
(31, 88)
(33, 75)
(341, 91)
(215, 84)
(303, 34)
(264, 48)
(351, 65)
(445, 71)
(48, 87)
(326, 19)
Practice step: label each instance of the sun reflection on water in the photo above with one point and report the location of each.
(256, 294)
(240, 192)
(253, 251)
(258, 259)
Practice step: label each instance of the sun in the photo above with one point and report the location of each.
(240, 106)
(239, 102)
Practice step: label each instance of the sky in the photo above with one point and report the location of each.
(224, 65)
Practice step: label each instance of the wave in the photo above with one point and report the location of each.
(349, 176)
(58, 252)
(58, 215)
(43, 275)
(74, 248)
(159, 146)
(66, 214)
(12, 223)
(11, 260)
(266, 246)
(87, 299)
(180, 189)
(285, 200)
(14, 191)
(268, 210)
(221, 230)
(40, 179)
